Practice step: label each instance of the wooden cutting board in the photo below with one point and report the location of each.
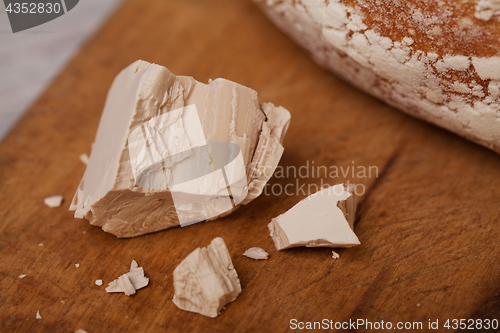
(428, 221)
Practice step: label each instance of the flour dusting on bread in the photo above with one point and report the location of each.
(434, 60)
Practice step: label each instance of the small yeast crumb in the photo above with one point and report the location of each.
(335, 255)
(256, 253)
(130, 282)
(22, 276)
(53, 201)
(84, 158)
(38, 315)
(98, 282)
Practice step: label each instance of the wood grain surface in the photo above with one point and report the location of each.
(429, 223)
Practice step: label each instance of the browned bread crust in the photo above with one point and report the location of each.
(438, 60)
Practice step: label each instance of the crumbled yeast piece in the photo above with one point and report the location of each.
(77, 265)
(172, 151)
(84, 158)
(98, 282)
(38, 316)
(80, 331)
(53, 201)
(324, 219)
(22, 276)
(256, 253)
(335, 255)
(205, 281)
(129, 282)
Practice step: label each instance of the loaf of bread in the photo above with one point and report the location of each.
(437, 60)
